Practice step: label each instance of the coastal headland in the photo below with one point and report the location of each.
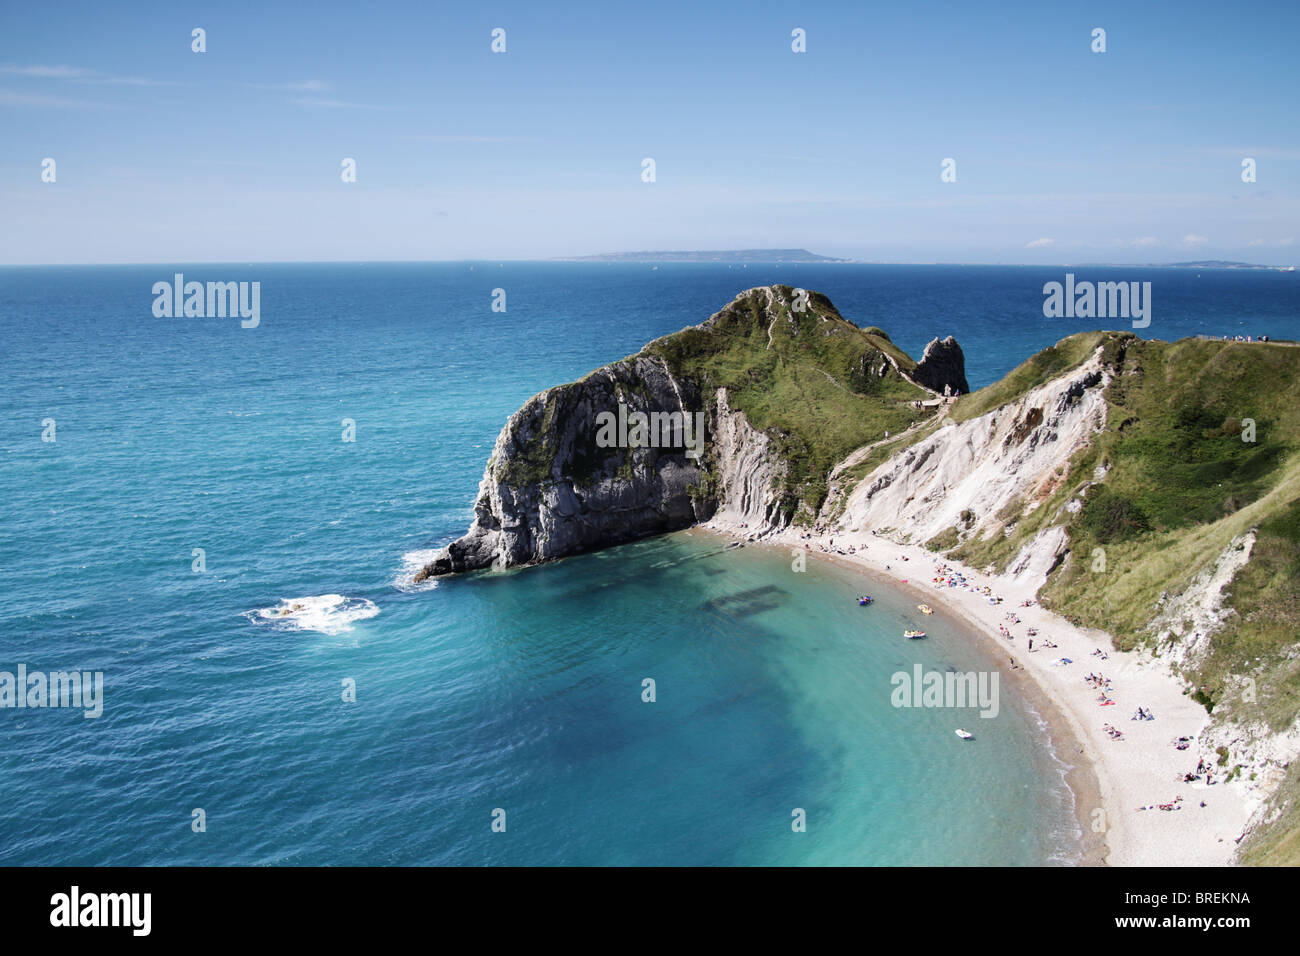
(1136, 502)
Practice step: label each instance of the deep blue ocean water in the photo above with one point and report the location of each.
(519, 691)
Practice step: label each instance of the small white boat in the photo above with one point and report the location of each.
(964, 734)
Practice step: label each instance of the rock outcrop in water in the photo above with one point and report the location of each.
(552, 488)
(943, 366)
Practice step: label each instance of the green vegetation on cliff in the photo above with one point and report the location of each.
(1200, 447)
(1199, 450)
(1034, 371)
(818, 385)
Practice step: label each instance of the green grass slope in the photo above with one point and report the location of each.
(810, 379)
(1182, 483)
(1200, 447)
(1040, 368)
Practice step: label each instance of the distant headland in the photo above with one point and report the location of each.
(1195, 264)
(1216, 264)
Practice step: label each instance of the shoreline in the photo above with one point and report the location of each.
(1109, 779)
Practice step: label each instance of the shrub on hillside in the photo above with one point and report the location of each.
(1109, 517)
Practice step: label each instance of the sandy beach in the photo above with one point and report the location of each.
(1111, 778)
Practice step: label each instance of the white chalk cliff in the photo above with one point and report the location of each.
(967, 475)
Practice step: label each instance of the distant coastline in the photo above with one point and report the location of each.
(717, 255)
(1197, 264)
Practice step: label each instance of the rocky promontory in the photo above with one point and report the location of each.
(551, 490)
(744, 414)
(1149, 489)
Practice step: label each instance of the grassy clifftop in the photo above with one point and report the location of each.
(1204, 449)
(815, 382)
(1200, 450)
(1034, 371)
(1200, 447)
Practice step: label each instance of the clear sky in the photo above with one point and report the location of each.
(1062, 154)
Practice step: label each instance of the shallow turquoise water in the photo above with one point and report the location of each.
(520, 691)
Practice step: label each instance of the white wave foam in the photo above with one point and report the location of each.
(325, 613)
(412, 562)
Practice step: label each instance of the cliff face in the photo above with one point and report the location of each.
(749, 472)
(1147, 489)
(551, 489)
(726, 416)
(974, 478)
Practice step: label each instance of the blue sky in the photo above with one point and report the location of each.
(1063, 155)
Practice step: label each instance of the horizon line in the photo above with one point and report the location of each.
(589, 260)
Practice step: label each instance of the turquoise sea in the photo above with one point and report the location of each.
(520, 691)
